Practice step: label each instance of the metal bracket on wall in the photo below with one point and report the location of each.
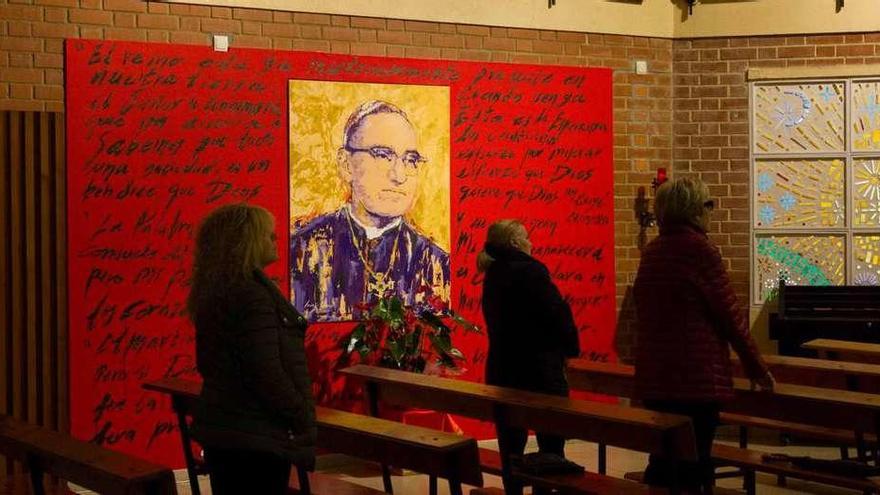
(551, 3)
(839, 5)
(691, 4)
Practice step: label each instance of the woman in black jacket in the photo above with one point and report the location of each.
(531, 328)
(256, 413)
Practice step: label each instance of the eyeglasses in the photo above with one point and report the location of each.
(709, 205)
(412, 159)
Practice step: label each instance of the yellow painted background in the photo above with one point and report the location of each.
(318, 111)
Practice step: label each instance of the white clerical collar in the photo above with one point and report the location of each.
(372, 232)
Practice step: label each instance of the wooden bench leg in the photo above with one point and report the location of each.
(743, 437)
(36, 475)
(432, 485)
(603, 458)
(187, 451)
(305, 487)
(749, 481)
(454, 487)
(372, 396)
(861, 447)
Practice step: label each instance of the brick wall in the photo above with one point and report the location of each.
(711, 119)
(31, 63)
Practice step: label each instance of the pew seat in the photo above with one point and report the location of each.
(325, 484)
(50, 452)
(834, 435)
(752, 460)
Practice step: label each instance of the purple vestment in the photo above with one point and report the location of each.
(329, 277)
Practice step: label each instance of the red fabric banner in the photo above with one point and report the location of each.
(158, 135)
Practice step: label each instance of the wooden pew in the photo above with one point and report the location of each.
(631, 428)
(439, 454)
(833, 312)
(844, 350)
(842, 375)
(835, 409)
(49, 452)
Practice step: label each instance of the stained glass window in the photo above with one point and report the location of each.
(800, 193)
(799, 118)
(866, 116)
(815, 183)
(799, 260)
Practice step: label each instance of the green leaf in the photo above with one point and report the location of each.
(442, 343)
(468, 326)
(434, 321)
(397, 350)
(455, 353)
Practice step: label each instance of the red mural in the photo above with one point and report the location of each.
(158, 135)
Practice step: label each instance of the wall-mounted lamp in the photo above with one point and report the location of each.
(691, 4)
(642, 208)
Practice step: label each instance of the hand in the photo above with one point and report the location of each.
(765, 384)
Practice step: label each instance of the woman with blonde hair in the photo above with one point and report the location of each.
(256, 414)
(531, 330)
(688, 318)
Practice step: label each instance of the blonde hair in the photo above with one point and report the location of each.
(680, 201)
(228, 249)
(501, 234)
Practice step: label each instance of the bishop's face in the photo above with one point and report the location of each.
(381, 162)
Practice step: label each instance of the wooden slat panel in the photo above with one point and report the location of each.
(47, 411)
(5, 316)
(17, 328)
(30, 246)
(33, 352)
(61, 272)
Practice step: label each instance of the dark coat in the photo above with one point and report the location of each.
(257, 393)
(531, 327)
(687, 316)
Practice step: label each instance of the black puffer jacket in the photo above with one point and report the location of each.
(257, 393)
(531, 327)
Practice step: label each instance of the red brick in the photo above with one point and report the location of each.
(252, 15)
(473, 42)
(250, 41)
(311, 45)
(375, 49)
(251, 27)
(282, 30)
(21, 105)
(282, 16)
(91, 17)
(343, 47)
(155, 36)
(24, 59)
(395, 25)
(855, 50)
(525, 34)
(157, 21)
(20, 29)
(58, 3)
(394, 37)
(189, 38)
(126, 5)
(221, 12)
(447, 41)
(157, 8)
(340, 20)
(125, 34)
(21, 12)
(49, 92)
(499, 44)
(428, 27)
(422, 52)
(796, 51)
(23, 75)
(307, 18)
(340, 34)
(21, 91)
(221, 25)
(368, 22)
(473, 30)
(307, 31)
(190, 24)
(44, 30)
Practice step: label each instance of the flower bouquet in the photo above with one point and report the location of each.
(402, 337)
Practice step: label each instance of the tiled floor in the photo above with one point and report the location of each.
(619, 462)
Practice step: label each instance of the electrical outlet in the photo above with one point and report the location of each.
(221, 43)
(641, 66)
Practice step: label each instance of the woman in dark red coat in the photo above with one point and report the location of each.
(688, 315)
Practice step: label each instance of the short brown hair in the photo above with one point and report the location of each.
(680, 201)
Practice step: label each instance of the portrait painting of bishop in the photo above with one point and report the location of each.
(369, 196)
